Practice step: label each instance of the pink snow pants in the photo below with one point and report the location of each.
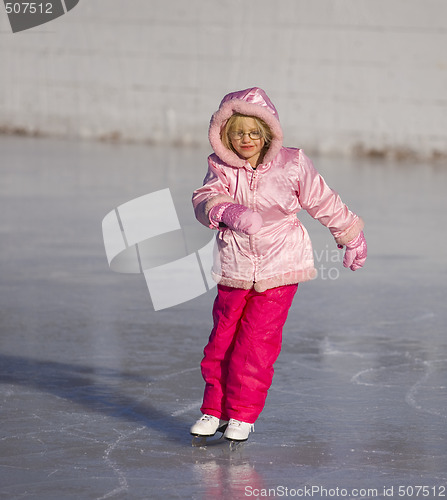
(243, 346)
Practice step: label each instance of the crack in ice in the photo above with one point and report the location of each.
(410, 397)
(122, 480)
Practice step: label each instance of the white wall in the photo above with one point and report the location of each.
(346, 76)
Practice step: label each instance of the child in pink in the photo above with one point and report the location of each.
(251, 195)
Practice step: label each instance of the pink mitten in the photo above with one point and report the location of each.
(236, 217)
(356, 251)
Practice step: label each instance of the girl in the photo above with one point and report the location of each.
(251, 194)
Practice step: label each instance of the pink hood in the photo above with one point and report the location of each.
(250, 102)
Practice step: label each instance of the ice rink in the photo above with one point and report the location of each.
(98, 390)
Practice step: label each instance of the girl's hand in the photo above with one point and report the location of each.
(356, 251)
(236, 217)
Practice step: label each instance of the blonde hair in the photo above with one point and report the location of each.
(234, 122)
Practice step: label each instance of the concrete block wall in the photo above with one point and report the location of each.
(363, 76)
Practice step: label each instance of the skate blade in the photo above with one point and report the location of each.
(236, 444)
(198, 441)
(203, 441)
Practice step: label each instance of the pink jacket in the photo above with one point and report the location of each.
(281, 252)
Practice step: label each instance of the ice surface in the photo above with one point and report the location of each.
(98, 390)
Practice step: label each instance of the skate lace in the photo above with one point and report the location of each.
(207, 418)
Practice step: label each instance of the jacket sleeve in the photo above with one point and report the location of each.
(215, 190)
(324, 204)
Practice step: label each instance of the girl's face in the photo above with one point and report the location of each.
(245, 145)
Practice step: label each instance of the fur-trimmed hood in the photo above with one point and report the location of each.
(250, 102)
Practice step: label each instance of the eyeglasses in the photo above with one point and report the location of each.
(254, 135)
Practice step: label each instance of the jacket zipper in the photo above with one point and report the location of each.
(254, 176)
(253, 185)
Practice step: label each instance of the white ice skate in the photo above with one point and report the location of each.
(206, 427)
(237, 431)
